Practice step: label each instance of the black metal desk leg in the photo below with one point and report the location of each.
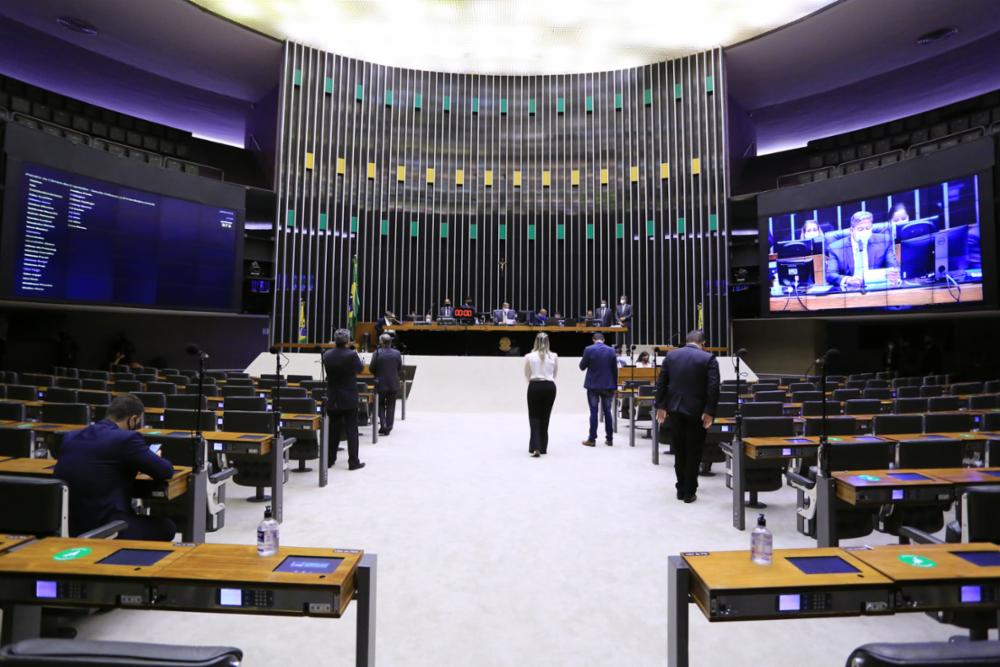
(20, 622)
(656, 439)
(739, 484)
(678, 586)
(366, 589)
(374, 418)
(277, 478)
(631, 420)
(826, 512)
(324, 451)
(196, 507)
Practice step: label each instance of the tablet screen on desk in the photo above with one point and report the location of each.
(798, 441)
(908, 476)
(823, 565)
(308, 565)
(868, 438)
(933, 436)
(134, 557)
(980, 558)
(247, 436)
(992, 473)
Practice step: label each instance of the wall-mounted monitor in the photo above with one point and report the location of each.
(915, 236)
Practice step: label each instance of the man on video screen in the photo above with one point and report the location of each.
(863, 258)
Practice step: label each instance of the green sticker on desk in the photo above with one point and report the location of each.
(835, 439)
(72, 554)
(869, 478)
(152, 433)
(25, 425)
(916, 561)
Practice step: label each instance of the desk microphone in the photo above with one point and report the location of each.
(827, 356)
(740, 352)
(196, 351)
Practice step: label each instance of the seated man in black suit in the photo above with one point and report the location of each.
(99, 464)
(387, 367)
(849, 259)
(446, 312)
(342, 367)
(505, 314)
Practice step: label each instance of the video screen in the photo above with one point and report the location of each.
(308, 565)
(83, 240)
(909, 249)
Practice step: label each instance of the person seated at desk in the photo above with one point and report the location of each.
(504, 315)
(810, 230)
(623, 359)
(850, 258)
(99, 465)
(542, 317)
(383, 323)
(643, 360)
(589, 319)
(446, 312)
(603, 313)
(558, 319)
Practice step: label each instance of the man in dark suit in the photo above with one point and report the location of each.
(503, 314)
(848, 259)
(623, 312)
(385, 322)
(688, 389)
(446, 312)
(603, 314)
(601, 364)
(387, 367)
(342, 367)
(99, 464)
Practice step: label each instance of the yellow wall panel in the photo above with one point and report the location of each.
(574, 177)
(634, 173)
(459, 177)
(371, 170)
(488, 178)
(604, 176)
(401, 173)
(664, 170)
(430, 175)
(696, 165)
(309, 160)
(517, 179)
(341, 166)
(546, 178)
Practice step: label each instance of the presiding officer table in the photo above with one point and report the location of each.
(219, 578)
(830, 582)
(494, 339)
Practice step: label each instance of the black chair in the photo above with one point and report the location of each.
(290, 392)
(240, 375)
(146, 377)
(763, 386)
(239, 382)
(68, 383)
(120, 368)
(806, 395)
(984, 402)
(268, 383)
(801, 386)
(208, 388)
(190, 375)
(944, 403)
(128, 385)
(60, 395)
(770, 397)
(162, 387)
(935, 379)
(723, 410)
(897, 424)
(991, 387)
(762, 409)
(930, 454)
(81, 653)
(862, 406)
(903, 406)
(38, 379)
(763, 477)
(877, 393)
(815, 408)
(253, 470)
(927, 654)
(228, 390)
(12, 411)
(17, 442)
(846, 394)
(151, 399)
(176, 379)
(95, 375)
(835, 379)
(91, 397)
(187, 420)
(908, 392)
(949, 422)
(66, 413)
(885, 375)
(855, 384)
(960, 388)
(245, 403)
(22, 392)
(931, 390)
(39, 506)
(861, 376)
(126, 375)
(834, 426)
(186, 402)
(727, 396)
(306, 447)
(976, 516)
(876, 384)
(216, 375)
(299, 378)
(94, 384)
(990, 422)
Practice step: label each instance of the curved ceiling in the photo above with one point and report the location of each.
(514, 36)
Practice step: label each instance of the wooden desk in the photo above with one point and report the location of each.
(11, 541)
(874, 488)
(144, 486)
(966, 476)
(225, 442)
(493, 339)
(218, 578)
(797, 447)
(906, 296)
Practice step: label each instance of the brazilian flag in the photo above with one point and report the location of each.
(303, 329)
(355, 306)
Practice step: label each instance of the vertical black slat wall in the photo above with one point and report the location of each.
(532, 220)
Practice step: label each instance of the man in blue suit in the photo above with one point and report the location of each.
(342, 366)
(601, 364)
(688, 389)
(850, 258)
(99, 464)
(387, 367)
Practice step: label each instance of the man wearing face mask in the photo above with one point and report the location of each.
(811, 230)
(446, 312)
(850, 258)
(603, 314)
(99, 464)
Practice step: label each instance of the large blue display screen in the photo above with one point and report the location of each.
(84, 240)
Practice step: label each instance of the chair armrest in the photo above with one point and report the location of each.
(918, 536)
(799, 481)
(287, 442)
(110, 529)
(221, 476)
(727, 448)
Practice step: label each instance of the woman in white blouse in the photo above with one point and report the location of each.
(540, 367)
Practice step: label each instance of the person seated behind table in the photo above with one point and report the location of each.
(542, 317)
(589, 318)
(899, 214)
(623, 359)
(849, 258)
(643, 360)
(810, 231)
(383, 323)
(504, 314)
(558, 319)
(99, 464)
(446, 312)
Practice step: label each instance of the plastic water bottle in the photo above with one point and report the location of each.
(267, 534)
(761, 542)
